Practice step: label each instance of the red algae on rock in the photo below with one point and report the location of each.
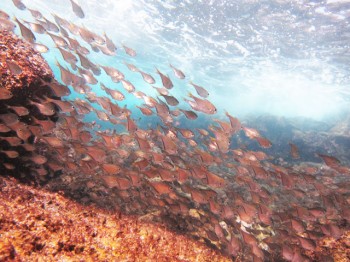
(18, 52)
(35, 224)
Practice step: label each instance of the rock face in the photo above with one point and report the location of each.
(23, 74)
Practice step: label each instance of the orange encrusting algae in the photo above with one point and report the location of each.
(35, 224)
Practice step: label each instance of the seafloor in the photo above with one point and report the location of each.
(36, 225)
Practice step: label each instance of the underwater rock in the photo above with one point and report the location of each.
(25, 78)
(22, 67)
(36, 224)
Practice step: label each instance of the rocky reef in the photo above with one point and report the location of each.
(35, 224)
(25, 76)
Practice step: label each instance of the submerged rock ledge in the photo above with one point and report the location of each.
(35, 224)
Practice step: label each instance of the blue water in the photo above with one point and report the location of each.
(284, 58)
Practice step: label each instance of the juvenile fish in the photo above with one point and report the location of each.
(40, 48)
(165, 80)
(147, 77)
(201, 105)
(26, 32)
(77, 9)
(14, 68)
(200, 90)
(129, 51)
(178, 73)
(5, 94)
(19, 4)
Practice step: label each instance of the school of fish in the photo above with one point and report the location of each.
(214, 188)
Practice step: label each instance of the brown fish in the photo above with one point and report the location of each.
(109, 43)
(330, 160)
(147, 77)
(77, 9)
(131, 67)
(10, 153)
(200, 90)
(19, 110)
(294, 152)
(4, 128)
(36, 14)
(5, 94)
(161, 90)
(264, 142)
(65, 106)
(37, 28)
(59, 41)
(9, 119)
(178, 73)
(145, 110)
(4, 15)
(165, 80)
(128, 86)
(111, 169)
(58, 89)
(14, 68)
(115, 94)
(53, 141)
(235, 123)
(7, 25)
(49, 26)
(26, 32)
(40, 48)
(129, 51)
(172, 101)
(19, 4)
(46, 109)
(201, 105)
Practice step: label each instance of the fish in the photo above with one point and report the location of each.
(131, 52)
(165, 80)
(111, 169)
(19, 110)
(128, 86)
(113, 73)
(178, 73)
(147, 77)
(4, 128)
(64, 106)
(202, 105)
(15, 69)
(172, 101)
(46, 109)
(40, 48)
(235, 123)
(67, 56)
(53, 141)
(4, 15)
(189, 114)
(78, 11)
(37, 28)
(109, 43)
(5, 94)
(26, 33)
(145, 110)
(161, 90)
(49, 26)
(19, 4)
(294, 152)
(131, 67)
(58, 89)
(10, 153)
(35, 13)
(115, 94)
(7, 25)
(201, 91)
(9, 119)
(59, 41)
